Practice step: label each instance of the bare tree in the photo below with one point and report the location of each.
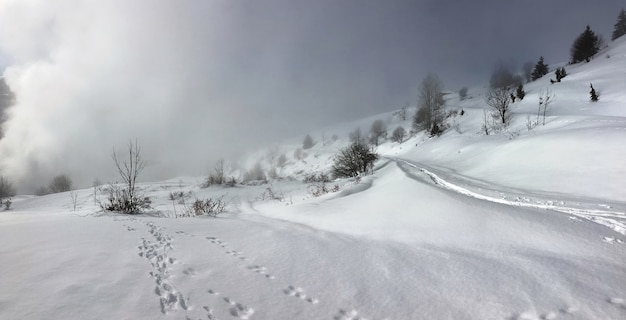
(398, 135)
(377, 131)
(356, 136)
(486, 126)
(60, 183)
(430, 105)
(74, 198)
(499, 100)
(307, 143)
(127, 199)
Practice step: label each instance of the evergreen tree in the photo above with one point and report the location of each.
(520, 93)
(541, 69)
(560, 73)
(620, 26)
(593, 94)
(585, 46)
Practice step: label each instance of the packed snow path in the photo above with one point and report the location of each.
(610, 214)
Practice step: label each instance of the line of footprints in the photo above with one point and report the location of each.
(157, 253)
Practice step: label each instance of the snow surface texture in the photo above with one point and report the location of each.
(522, 224)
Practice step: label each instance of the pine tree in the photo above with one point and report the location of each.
(593, 94)
(560, 73)
(520, 93)
(585, 46)
(541, 69)
(620, 26)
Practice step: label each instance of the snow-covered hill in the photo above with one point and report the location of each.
(520, 224)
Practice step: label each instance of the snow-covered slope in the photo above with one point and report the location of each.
(520, 224)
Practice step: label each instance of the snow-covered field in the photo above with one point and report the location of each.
(523, 224)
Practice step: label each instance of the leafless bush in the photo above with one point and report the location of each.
(126, 198)
(316, 177)
(121, 200)
(255, 174)
(321, 189)
(60, 183)
(271, 194)
(209, 207)
(218, 177)
(176, 195)
(6, 188)
(353, 160)
(545, 98)
(74, 198)
(273, 174)
(7, 204)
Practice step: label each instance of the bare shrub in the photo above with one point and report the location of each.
(6, 188)
(316, 177)
(322, 188)
(209, 207)
(60, 183)
(125, 198)
(74, 199)
(545, 99)
(218, 176)
(255, 174)
(271, 194)
(355, 159)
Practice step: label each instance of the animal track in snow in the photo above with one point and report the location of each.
(239, 310)
(158, 255)
(612, 240)
(261, 270)
(348, 315)
(190, 272)
(299, 293)
(217, 241)
(237, 254)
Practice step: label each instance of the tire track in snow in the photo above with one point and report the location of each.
(615, 220)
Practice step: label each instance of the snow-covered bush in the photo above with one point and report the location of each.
(60, 183)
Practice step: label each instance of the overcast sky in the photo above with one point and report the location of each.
(196, 80)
